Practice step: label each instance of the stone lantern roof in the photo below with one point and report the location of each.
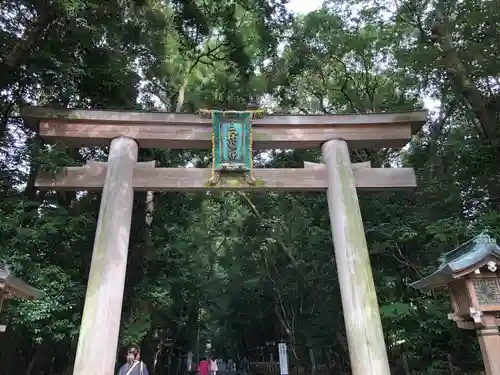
(11, 286)
(480, 251)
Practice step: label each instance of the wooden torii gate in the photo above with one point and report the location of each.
(125, 132)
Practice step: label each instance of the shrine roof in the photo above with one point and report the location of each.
(472, 254)
(14, 286)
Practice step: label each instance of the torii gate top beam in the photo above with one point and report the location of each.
(83, 127)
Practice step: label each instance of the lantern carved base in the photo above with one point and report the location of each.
(478, 321)
(227, 177)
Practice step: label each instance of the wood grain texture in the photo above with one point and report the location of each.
(139, 164)
(179, 131)
(195, 179)
(363, 164)
(363, 325)
(489, 342)
(99, 330)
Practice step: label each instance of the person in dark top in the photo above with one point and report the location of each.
(246, 365)
(134, 365)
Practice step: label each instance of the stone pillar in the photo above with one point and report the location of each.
(359, 301)
(98, 341)
(489, 341)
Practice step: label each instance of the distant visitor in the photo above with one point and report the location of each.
(203, 367)
(213, 366)
(134, 365)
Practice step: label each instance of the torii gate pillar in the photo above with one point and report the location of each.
(99, 331)
(359, 300)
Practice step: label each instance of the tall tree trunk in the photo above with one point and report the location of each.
(36, 356)
(450, 364)
(30, 190)
(169, 360)
(460, 78)
(313, 361)
(182, 93)
(149, 351)
(4, 118)
(406, 366)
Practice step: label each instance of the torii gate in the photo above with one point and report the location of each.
(125, 132)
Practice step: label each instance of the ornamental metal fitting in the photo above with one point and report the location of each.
(232, 143)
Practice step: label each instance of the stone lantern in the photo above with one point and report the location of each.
(11, 286)
(471, 273)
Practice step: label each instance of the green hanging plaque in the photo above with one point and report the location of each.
(232, 143)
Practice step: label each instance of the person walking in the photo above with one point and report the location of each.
(246, 365)
(213, 366)
(230, 365)
(203, 366)
(133, 365)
